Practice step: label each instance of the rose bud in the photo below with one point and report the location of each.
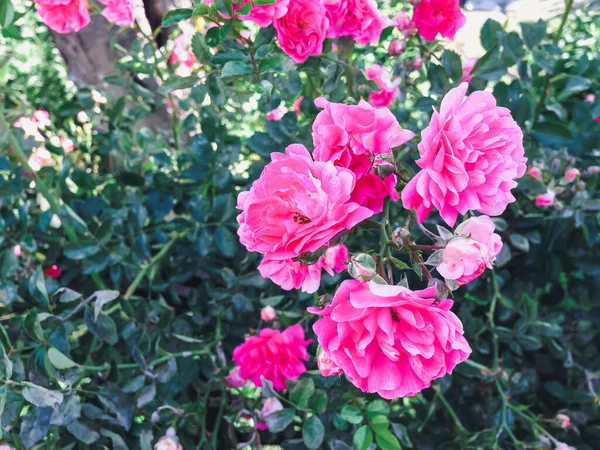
(362, 267)
(396, 47)
(384, 165)
(401, 236)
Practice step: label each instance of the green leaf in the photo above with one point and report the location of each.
(81, 250)
(116, 111)
(379, 423)
(402, 434)
(226, 241)
(519, 241)
(318, 402)
(175, 16)
(386, 440)
(301, 393)
(313, 432)
(67, 295)
(7, 13)
(438, 78)
(8, 292)
(363, 438)
(533, 32)
(175, 83)
(102, 298)
(552, 133)
(489, 34)
(545, 60)
(377, 407)
(104, 327)
(225, 7)
(200, 49)
(265, 36)
(40, 396)
(452, 63)
(32, 327)
(117, 441)
(352, 414)
(490, 66)
(83, 432)
(279, 420)
(6, 366)
(575, 85)
(235, 69)
(60, 360)
(34, 426)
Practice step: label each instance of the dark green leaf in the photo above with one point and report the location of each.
(279, 420)
(103, 328)
(351, 414)
(235, 69)
(60, 360)
(533, 32)
(489, 34)
(175, 16)
(40, 396)
(302, 391)
(83, 432)
(452, 64)
(175, 83)
(363, 438)
(313, 432)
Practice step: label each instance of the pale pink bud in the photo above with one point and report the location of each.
(401, 236)
(18, 253)
(563, 421)
(326, 366)
(234, 379)
(67, 144)
(268, 313)
(396, 47)
(545, 200)
(98, 97)
(417, 63)
(168, 442)
(384, 165)
(82, 117)
(590, 98)
(42, 118)
(535, 173)
(362, 267)
(571, 174)
(564, 446)
(277, 113)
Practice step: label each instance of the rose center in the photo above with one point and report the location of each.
(301, 219)
(395, 316)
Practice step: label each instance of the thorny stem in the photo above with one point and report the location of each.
(450, 410)
(215, 433)
(492, 322)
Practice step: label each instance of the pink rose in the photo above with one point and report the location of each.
(302, 30)
(182, 56)
(417, 63)
(29, 127)
(474, 248)
(297, 205)
(42, 118)
(168, 443)
(263, 15)
(563, 446)
(358, 19)
(396, 47)
(467, 67)
(351, 137)
(389, 339)
(571, 174)
(268, 314)
(404, 23)
(563, 421)
(119, 12)
(67, 144)
(388, 89)
(277, 113)
(275, 355)
(326, 366)
(40, 158)
(471, 154)
(5, 447)
(98, 97)
(82, 117)
(234, 379)
(297, 104)
(545, 200)
(291, 274)
(438, 16)
(18, 252)
(64, 16)
(53, 271)
(590, 98)
(535, 173)
(598, 119)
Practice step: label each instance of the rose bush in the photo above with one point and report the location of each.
(273, 264)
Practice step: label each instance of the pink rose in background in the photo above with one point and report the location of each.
(388, 89)
(82, 117)
(590, 98)
(263, 15)
(564, 446)
(42, 118)
(277, 356)
(291, 274)
(17, 251)
(535, 173)
(417, 63)
(471, 154)
(29, 127)
(326, 366)
(351, 137)
(277, 113)
(297, 105)
(182, 56)
(404, 23)
(5, 447)
(64, 16)
(571, 174)
(53, 271)
(358, 19)
(67, 144)
(168, 442)
(545, 200)
(39, 158)
(297, 205)
(467, 67)
(234, 379)
(119, 12)
(474, 248)
(598, 119)
(396, 47)
(371, 331)
(301, 32)
(268, 313)
(98, 97)
(438, 16)
(563, 421)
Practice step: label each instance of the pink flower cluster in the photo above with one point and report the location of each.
(277, 356)
(358, 19)
(438, 16)
(68, 16)
(372, 331)
(182, 56)
(388, 90)
(471, 154)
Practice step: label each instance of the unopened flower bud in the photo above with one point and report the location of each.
(417, 63)
(401, 236)
(563, 421)
(384, 165)
(580, 186)
(268, 314)
(362, 267)
(168, 442)
(155, 417)
(592, 171)
(396, 47)
(414, 2)
(326, 366)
